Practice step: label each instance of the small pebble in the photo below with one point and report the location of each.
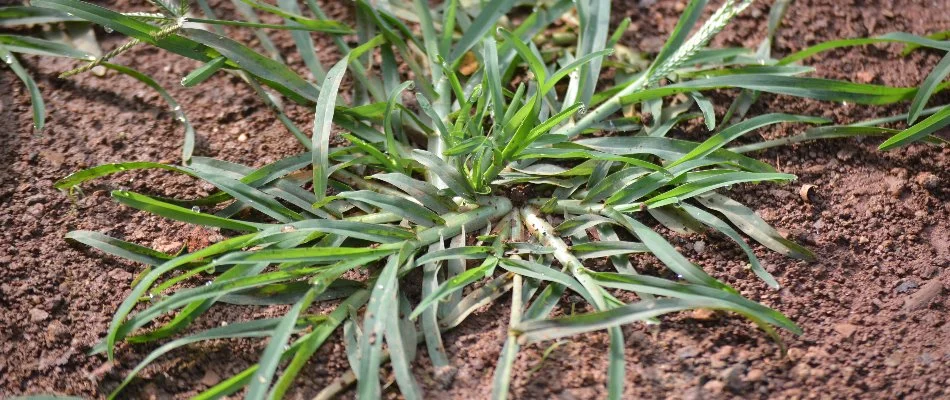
(38, 315)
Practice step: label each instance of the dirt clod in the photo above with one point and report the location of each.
(924, 296)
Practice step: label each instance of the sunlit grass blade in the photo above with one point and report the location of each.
(456, 253)
(544, 273)
(895, 37)
(400, 333)
(919, 131)
(304, 43)
(594, 26)
(663, 287)
(317, 25)
(603, 248)
(304, 348)
(711, 183)
(814, 88)
(668, 149)
(734, 131)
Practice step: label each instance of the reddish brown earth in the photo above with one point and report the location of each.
(873, 307)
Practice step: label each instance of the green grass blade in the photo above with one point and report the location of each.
(423, 191)
(482, 25)
(717, 224)
(265, 68)
(455, 284)
(374, 232)
(814, 88)
(535, 64)
(817, 133)
(401, 342)
(895, 37)
(389, 128)
(116, 247)
(36, 98)
(310, 343)
(749, 222)
(668, 149)
(314, 24)
(371, 341)
(146, 282)
(26, 15)
(250, 329)
(612, 183)
(594, 26)
(456, 253)
(203, 72)
(711, 183)
(333, 27)
(177, 213)
(493, 78)
(396, 205)
(429, 318)
(927, 88)
(322, 124)
(664, 251)
(42, 47)
(298, 254)
(919, 131)
(304, 43)
(269, 360)
(458, 311)
(684, 291)
(545, 273)
(534, 331)
(451, 176)
(128, 26)
(616, 365)
(579, 224)
(604, 248)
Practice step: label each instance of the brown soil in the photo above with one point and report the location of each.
(873, 307)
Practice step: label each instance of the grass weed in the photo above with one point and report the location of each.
(426, 185)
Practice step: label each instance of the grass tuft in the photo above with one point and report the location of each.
(431, 185)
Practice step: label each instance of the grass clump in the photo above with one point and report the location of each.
(427, 185)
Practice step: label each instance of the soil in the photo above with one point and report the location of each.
(873, 306)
